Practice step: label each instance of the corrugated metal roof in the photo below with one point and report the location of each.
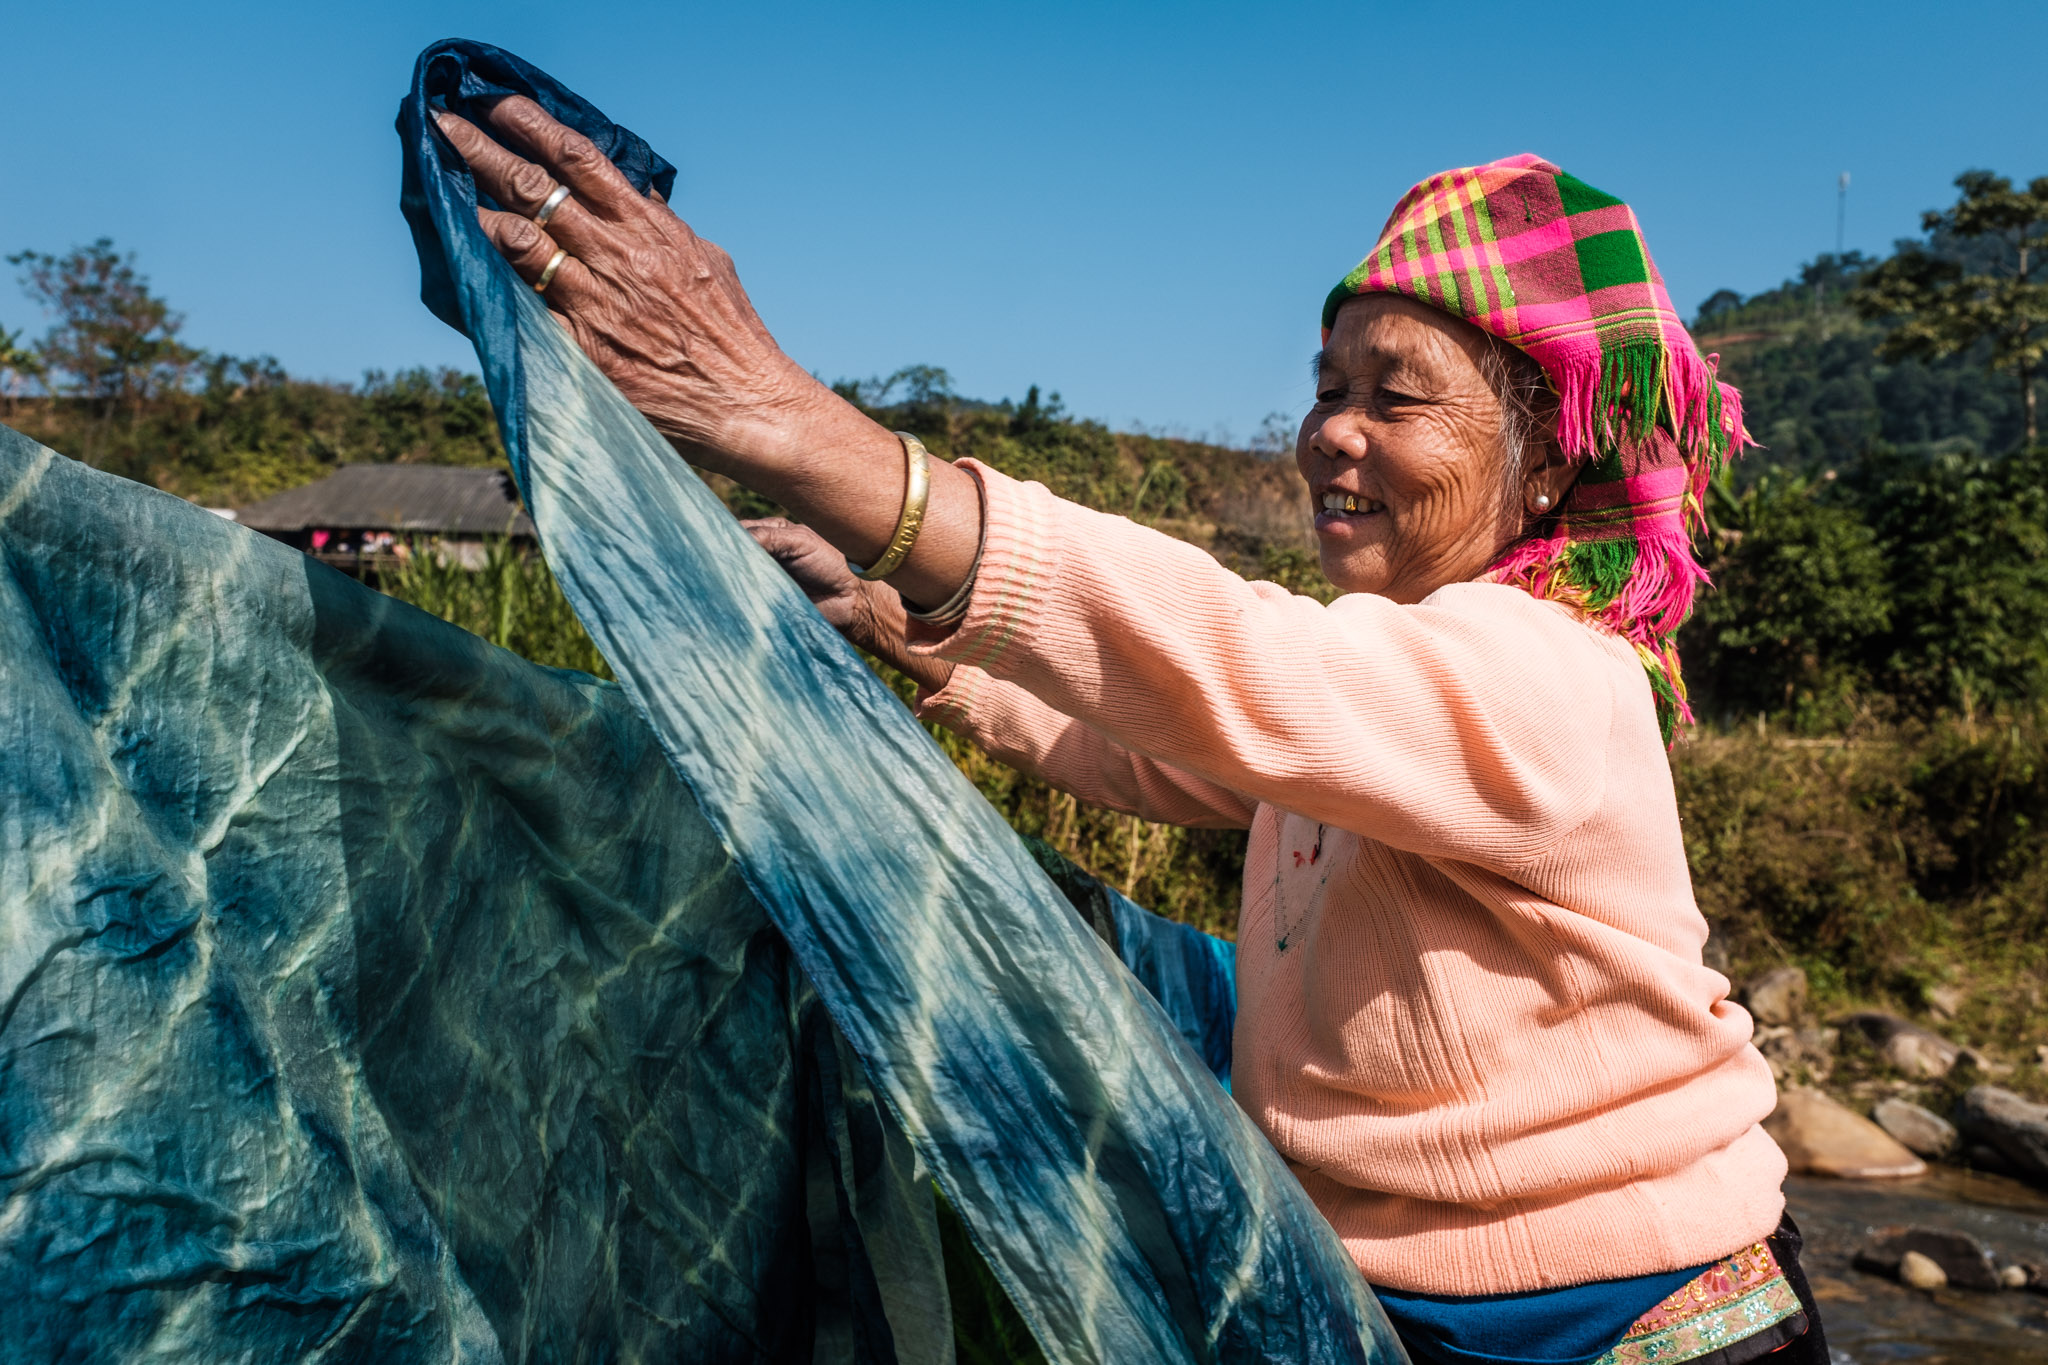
(397, 497)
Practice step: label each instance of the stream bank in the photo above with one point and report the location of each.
(1871, 1319)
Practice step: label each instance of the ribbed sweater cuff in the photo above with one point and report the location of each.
(952, 705)
(1018, 561)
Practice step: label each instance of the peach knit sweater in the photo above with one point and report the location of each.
(1472, 1011)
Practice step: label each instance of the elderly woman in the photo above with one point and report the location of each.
(1473, 1014)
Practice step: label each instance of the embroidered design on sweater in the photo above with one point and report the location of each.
(1285, 926)
(1729, 1301)
(1308, 859)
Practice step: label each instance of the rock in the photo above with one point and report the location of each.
(1945, 1002)
(1828, 1289)
(1788, 1049)
(1771, 1043)
(1923, 1132)
(1978, 1157)
(1921, 1272)
(2013, 1277)
(1777, 997)
(1820, 1137)
(2014, 1128)
(2037, 1276)
(2041, 1056)
(1921, 1054)
(1981, 1063)
(1963, 1261)
(1715, 953)
(1910, 1048)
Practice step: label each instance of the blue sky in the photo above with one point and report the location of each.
(1138, 205)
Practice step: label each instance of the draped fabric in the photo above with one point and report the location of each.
(369, 994)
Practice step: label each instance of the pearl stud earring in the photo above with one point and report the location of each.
(1543, 502)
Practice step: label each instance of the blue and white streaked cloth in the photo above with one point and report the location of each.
(369, 994)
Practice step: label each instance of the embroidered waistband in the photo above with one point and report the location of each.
(1730, 1301)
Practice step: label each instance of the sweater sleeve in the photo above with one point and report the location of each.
(1022, 731)
(1472, 726)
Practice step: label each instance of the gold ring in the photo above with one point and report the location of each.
(547, 272)
(549, 205)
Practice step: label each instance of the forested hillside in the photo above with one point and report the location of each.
(1884, 556)
(1820, 396)
(1868, 792)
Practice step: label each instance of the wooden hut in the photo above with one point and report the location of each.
(363, 516)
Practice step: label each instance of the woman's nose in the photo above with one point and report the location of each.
(1341, 436)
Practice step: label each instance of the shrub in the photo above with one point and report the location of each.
(1801, 600)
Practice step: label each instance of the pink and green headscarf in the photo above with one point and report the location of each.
(1555, 267)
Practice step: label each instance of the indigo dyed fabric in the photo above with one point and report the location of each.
(1129, 1208)
(369, 994)
(1576, 1325)
(1191, 974)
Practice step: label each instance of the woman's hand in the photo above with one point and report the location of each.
(846, 602)
(869, 615)
(659, 309)
(662, 313)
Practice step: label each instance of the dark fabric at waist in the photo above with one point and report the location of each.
(1571, 1326)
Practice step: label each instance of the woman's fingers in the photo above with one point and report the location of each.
(660, 310)
(522, 187)
(791, 545)
(571, 157)
(516, 183)
(529, 249)
(779, 535)
(805, 556)
(600, 187)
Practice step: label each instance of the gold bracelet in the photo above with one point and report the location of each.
(917, 492)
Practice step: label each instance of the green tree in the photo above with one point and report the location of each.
(1800, 603)
(1966, 544)
(1942, 306)
(922, 385)
(19, 364)
(115, 341)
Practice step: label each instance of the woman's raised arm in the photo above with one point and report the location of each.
(663, 314)
(1474, 725)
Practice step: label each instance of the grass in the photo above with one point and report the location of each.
(512, 601)
(1886, 863)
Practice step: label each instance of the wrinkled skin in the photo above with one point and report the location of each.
(869, 614)
(1406, 423)
(662, 312)
(659, 309)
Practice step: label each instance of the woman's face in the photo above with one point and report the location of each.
(1402, 452)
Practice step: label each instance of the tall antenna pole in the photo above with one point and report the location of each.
(1841, 211)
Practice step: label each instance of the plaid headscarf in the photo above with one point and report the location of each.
(1553, 266)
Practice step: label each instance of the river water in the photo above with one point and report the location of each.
(1871, 1320)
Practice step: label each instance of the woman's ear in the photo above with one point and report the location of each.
(1550, 477)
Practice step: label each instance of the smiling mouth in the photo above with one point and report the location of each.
(1351, 504)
